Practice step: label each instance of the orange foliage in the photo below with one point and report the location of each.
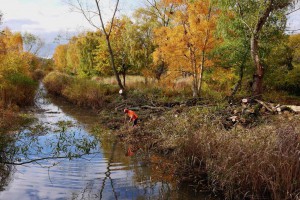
(184, 46)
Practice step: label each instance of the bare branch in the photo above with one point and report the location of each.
(293, 11)
(47, 158)
(113, 17)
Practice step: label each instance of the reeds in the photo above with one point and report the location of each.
(242, 163)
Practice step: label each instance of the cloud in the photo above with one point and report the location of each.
(18, 24)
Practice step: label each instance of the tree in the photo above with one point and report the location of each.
(159, 13)
(87, 44)
(121, 45)
(234, 52)
(258, 17)
(16, 84)
(89, 13)
(185, 45)
(32, 43)
(294, 44)
(60, 57)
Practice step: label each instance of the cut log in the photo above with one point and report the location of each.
(294, 108)
(152, 107)
(264, 105)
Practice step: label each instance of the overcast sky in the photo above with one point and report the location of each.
(49, 18)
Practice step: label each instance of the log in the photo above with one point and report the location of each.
(120, 106)
(296, 109)
(134, 108)
(152, 107)
(264, 105)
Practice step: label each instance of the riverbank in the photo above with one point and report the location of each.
(11, 120)
(253, 157)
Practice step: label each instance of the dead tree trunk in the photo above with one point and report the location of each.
(257, 87)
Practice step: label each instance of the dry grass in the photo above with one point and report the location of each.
(82, 92)
(131, 80)
(11, 119)
(257, 163)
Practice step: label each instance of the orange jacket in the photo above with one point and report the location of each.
(132, 115)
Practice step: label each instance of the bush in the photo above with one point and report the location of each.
(88, 93)
(16, 84)
(79, 91)
(56, 82)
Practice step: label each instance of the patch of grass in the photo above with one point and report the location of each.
(56, 82)
(82, 92)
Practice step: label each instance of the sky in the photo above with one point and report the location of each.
(50, 18)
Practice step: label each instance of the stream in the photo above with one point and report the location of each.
(61, 157)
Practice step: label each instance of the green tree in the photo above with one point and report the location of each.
(259, 17)
(89, 11)
(32, 43)
(87, 44)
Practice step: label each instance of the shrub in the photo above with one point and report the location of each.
(79, 91)
(56, 82)
(256, 163)
(16, 84)
(89, 93)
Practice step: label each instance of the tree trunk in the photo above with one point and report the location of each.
(112, 62)
(201, 73)
(241, 75)
(257, 87)
(124, 78)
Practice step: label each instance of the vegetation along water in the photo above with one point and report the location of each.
(215, 85)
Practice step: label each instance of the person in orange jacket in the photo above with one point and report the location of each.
(129, 152)
(133, 116)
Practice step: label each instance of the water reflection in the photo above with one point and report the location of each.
(106, 174)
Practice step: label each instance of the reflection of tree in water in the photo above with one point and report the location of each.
(6, 171)
(88, 192)
(27, 147)
(157, 178)
(108, 172)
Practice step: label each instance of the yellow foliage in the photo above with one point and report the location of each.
(60, 56)
(10, 42)
(16, 84)
(184, 46)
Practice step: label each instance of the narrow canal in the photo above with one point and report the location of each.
(60, 157)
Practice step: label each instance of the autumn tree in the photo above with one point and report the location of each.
(60, 57)
(86, 46)
(89, 11)
(16, 84)
(72, 56)
(185, 46)
(294, 44)
(118, 43)
(158, 13)
(259, 17)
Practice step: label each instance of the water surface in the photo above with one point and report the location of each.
(105, 173)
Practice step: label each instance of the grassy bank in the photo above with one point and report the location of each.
(11, 120)
(256, 158)
(241, 163)
(81, 92)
